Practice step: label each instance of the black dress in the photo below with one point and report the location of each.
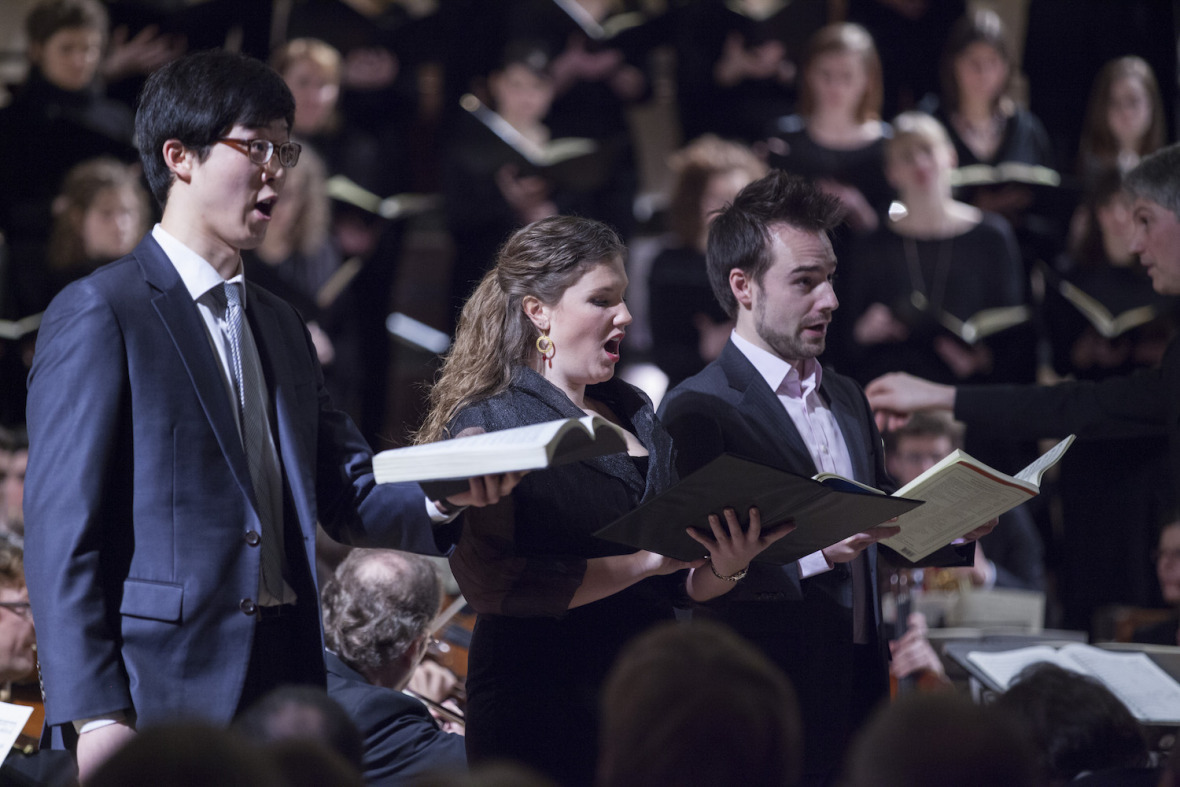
(979, 269)
(919, 280)
(536, 667)
(679, 290)
(863, 168)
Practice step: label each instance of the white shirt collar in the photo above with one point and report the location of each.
(774, 370)
(198, 275)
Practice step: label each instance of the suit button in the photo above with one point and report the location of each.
(252, 538)
(248, 606)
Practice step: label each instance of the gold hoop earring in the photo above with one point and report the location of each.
(546, 348)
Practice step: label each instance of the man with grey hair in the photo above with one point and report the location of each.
(1146, 402)
(377, 609)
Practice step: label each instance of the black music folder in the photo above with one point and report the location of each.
(824, 512)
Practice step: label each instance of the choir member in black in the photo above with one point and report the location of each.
(57, 119)
(597, 78)
(539, 340)
(1124, 118)
(913, 281)
(313, 70)
(1101, 564)
(488, 194)
(941, 257)
(988, 127)
(837, 138)
(985, 124)
(738, 63)
(101, 213)
(688, 326)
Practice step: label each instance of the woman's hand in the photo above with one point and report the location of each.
(730, 551)
(730, 547)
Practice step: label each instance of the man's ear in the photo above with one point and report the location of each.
(179, 159)
(742, 287)
(536, 311)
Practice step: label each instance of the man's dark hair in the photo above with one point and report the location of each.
(1074, 722)
(303, 713)
(740, 235)
(376, 604)
(49, 16)
(197, 100)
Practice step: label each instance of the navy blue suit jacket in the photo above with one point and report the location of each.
(139, 501)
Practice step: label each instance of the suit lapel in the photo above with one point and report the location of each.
(765, 410)
(182, 320)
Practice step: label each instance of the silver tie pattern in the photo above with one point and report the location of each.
(252, 416)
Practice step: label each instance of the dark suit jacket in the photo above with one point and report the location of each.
(804, 626)
(141, 563)
(402, 740)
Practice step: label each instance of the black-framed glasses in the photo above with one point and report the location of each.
(261, 150)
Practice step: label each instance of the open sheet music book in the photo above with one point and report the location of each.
(985, 323)
(962, 493)
(1108, 325)
(825, 509)
(442, 468)
(1151, 694)
(576, 163)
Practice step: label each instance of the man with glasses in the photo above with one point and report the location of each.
(182, 445)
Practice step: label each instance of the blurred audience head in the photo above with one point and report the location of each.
(101, 213)
(920, 444)
(312, 70)
(1074, 723)
(187, 754)
(302, 714)
(740, 235)
(378, 607)
(842, 71)
(933, 739)
(709, 172)
(198, 99)
(66, 40)
(695, 704)
(977, 63)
